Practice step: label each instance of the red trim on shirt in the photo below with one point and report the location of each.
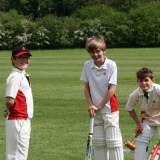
(114, 103)
(19, 110)
(142, 112)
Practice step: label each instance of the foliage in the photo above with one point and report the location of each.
(146, 25)
(92, 12)
(61, 30)
(9, 28)
(40, 8)
(139, 27)
(33, 35)
(90, 28)
(16, 29)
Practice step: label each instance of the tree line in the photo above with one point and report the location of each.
(67, 23)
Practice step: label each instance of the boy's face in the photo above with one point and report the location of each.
(98, 56)
(145, 83)
(21, 62)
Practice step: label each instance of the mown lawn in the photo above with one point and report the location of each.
(60, 124)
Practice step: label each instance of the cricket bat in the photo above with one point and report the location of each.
(89, 141)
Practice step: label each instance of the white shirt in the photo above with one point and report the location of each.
(150, 108)
(99, 79)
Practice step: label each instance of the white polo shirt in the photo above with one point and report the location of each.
(18, 87)
(150, 108)
(99, 79)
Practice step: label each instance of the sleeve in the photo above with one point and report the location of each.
(113, 74)
(84, 75)
(132, 101)
(12, 86)
(157, 87)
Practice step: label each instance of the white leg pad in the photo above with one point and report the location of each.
(140, 152)
(113, 137)
(116, 153)
(100, 148)
(100, 153)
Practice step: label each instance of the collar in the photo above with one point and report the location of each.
(141, 92)
(103, 66)
(18, 70)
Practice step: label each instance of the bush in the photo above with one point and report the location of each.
(9, 27)
(139, 28)
(92, 12)
(33, 35)
(16, 29)
(61, 30)
(146, 25)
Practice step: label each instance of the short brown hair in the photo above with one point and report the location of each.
(144, 72)
(95, 42)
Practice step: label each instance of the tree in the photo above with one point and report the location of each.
(4, 5)
(34, 8)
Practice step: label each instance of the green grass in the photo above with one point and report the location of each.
(60, 124)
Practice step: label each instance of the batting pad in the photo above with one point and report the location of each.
(116, 153)
(140, 152)
(100, 153)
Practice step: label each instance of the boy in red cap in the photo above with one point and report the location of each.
(19, 106)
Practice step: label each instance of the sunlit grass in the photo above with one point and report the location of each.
(60, 123)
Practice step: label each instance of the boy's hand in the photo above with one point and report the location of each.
(92, 111)
(139, 129)
(5, 113)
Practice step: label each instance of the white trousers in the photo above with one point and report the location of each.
(17, 139)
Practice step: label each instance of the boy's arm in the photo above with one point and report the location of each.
(133, 114)
(9, 102)
(111, 91)
(9, 105)
(91, 107)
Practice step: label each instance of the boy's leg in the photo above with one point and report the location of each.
(114, 143)
(113, 136)
(140, 151)
(11, 139)
(143, 141)
(100, 149)
(17, 139)
(23, 140)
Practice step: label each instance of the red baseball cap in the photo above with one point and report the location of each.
(20, 50)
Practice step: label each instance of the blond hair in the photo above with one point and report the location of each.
(94, 42)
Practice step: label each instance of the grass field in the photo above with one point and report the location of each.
(60, 124)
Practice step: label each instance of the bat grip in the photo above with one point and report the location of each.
(134, 140)
(91, 125)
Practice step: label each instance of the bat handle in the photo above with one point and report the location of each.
(135, 137)
(91, 125)
(134, 140)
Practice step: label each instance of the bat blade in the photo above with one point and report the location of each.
(89, 149)
(89, 141)
(155, 152)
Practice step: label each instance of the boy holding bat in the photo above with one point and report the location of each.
(147, 95)
(100, 77)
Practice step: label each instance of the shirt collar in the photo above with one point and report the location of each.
(18, 70)
(141, 92)
(103, 66)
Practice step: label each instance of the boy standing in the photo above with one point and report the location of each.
(147, 95)
(19, 106)
(100, 77)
